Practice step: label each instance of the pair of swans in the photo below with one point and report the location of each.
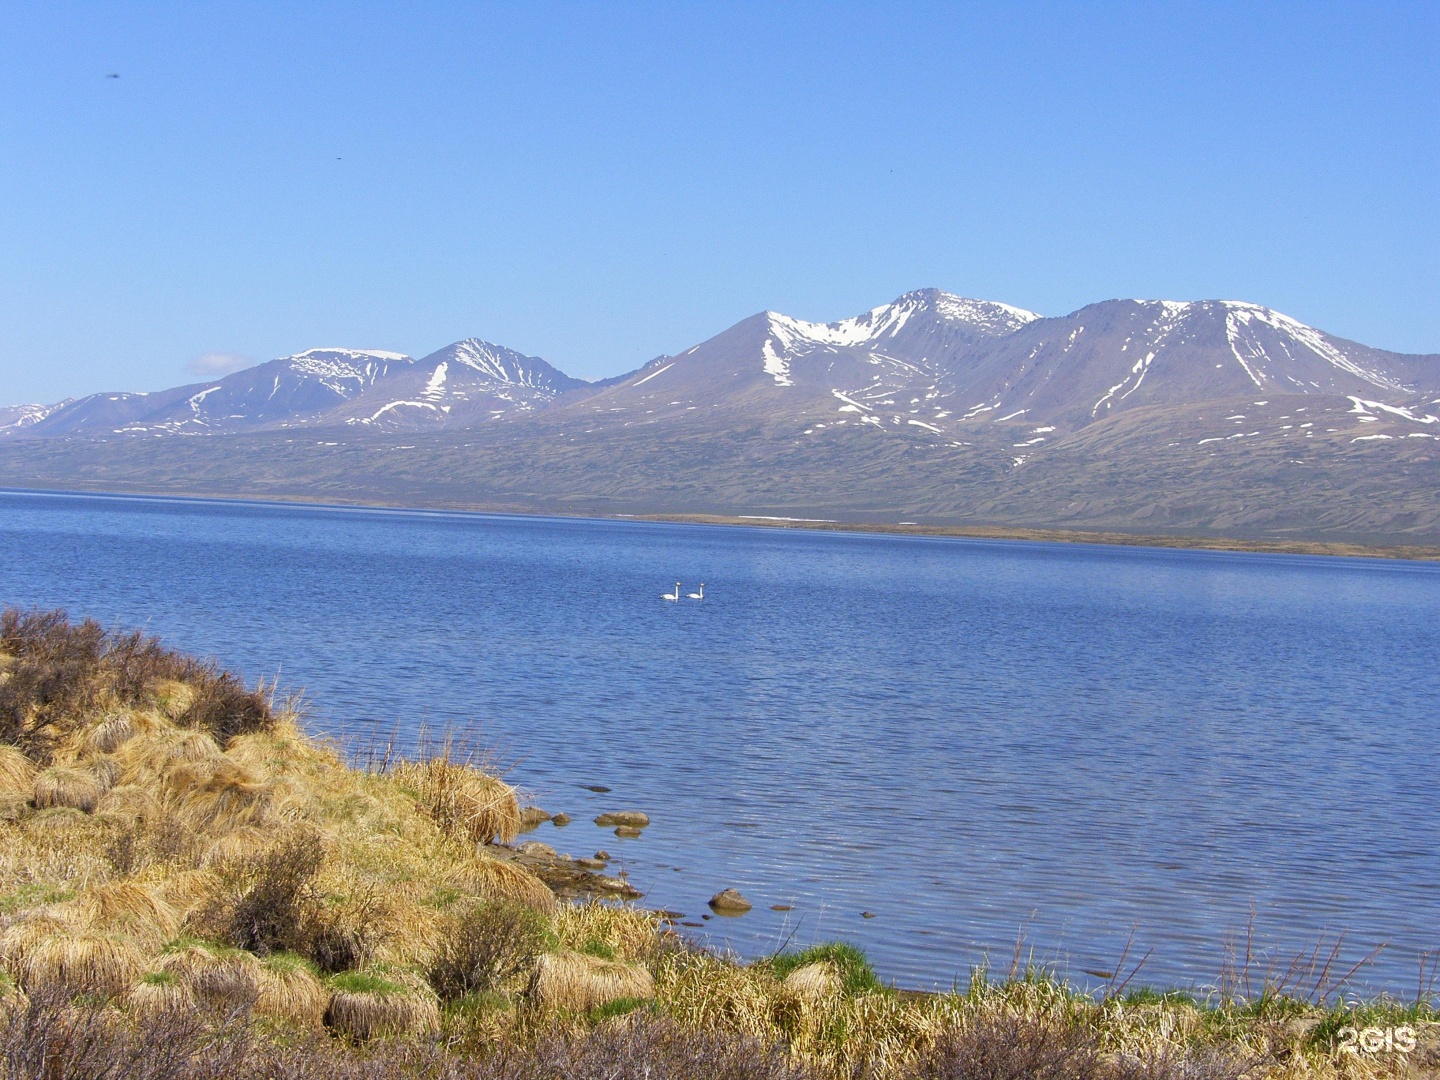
(675, 596)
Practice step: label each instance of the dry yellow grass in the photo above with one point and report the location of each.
(464, 801)
(814, 982)
(218, 976)
(239, 843)
(106, 770)
(368, 1005)
(188, 890)
(68, 787)
(17, 773)
(80, 962)
(131, 802)
(38, 925)
(492, 879)
(578, 982)
(131, 908)
(289, 991)
(172, 698)
(114, 731)
(217, 796)
(158, 993)
(630, 933)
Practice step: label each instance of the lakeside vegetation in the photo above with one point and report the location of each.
(190, 886)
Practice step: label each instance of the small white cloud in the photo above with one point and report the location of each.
(218, 363)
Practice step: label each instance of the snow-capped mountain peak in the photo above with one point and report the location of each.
(336, 352)
(506, 365)
(924, 311)
(985, 317)
(16, 418)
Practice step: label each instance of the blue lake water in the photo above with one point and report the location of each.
(972, 741)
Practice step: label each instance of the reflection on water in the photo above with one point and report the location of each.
(969, 740)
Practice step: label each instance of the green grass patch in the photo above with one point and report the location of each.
(618, 1007)
(363, 982)
(481, 1003)
(598, 948)
(284, 963)
(28, 896)
(856, 974)
(442, 897)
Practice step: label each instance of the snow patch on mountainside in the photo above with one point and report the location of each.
(1241, 319)
(776, 365)
(987, 315)
(1365, 408)
(435, 388)
(343, 371)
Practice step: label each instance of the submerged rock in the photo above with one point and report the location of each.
(560, 820)
(614, 887)
(628, 832)
(568, 878)
(729, 902)
(633, 819)
(532, 817)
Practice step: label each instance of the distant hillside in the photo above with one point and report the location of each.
(1207, 416)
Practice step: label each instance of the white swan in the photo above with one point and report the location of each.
(672, 596)
(699, 595)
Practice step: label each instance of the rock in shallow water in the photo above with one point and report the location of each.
(729, 902)
(628, 832)
(633, 819)
(535, 848)
(560, 820)
(531, 817)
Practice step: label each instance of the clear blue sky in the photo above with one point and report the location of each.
(599, 184)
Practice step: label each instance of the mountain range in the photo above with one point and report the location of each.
(1209, 417)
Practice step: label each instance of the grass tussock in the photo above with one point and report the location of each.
(464, 801)
(76, 789)
(368, 1005)
(76, 963)
(502, 882)
(580, 982)
(191, 887)
(17, 772)
(289, 991)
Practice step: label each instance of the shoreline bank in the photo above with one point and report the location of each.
(1185, 542)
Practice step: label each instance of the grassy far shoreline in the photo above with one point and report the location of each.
(1252, 545)
(181, 866)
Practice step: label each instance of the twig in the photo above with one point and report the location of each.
(1115, 971)
(1357, 966)
(1133, 971)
